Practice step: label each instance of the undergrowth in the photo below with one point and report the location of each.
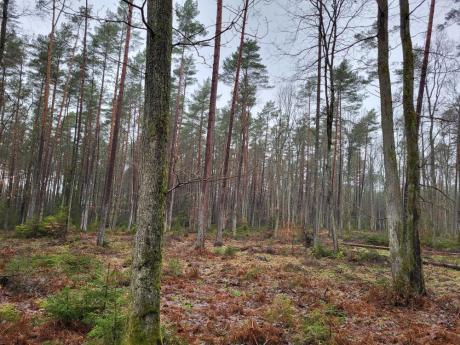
(51, 226)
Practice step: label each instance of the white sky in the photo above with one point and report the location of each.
(270, 22)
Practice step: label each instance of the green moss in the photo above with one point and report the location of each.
(236, 293)
(52, 226)
(319, 251)
(253, 273)
(316, 327)
(377, 239)
(365, 255)
(64, 262)
(282, 311)
(442, 243)
(9, 313)
(175, 268)
(226, 251)
(137, 335)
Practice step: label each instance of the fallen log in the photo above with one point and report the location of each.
(425, 261)
(431, 252)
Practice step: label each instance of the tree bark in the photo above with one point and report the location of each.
(392, 183)
(107, 193)
(221, 208)
(144, 325)
(2, 47)
(410, 280)
(204, 201)
(316, 194)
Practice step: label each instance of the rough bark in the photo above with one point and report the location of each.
(393, 196)
(144, 324)
(410, 280)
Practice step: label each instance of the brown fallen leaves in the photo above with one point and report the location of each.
(227, 296)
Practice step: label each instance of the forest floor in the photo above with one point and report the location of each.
(252, 291)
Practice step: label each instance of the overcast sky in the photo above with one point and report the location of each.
(272, 23)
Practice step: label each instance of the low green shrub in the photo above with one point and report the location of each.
(63, 262)
(108, 328)
(314, 330)
(170, 336)
(84, 305)
(441, 243)
(376, 239)
(282, 311)
(175, 268)
(319, 251)
(370, 255)
(316, 327)
(9, 313)
(226, 251)
(51, 226)
(253, 273)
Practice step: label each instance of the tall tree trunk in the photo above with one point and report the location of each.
(144, 325)
(456, 226)
(173, 149)
(92, 156)
(2, 49)
(221, 208)
(204, 200)
(69, 185)
(316, 194)
(426, 54)
(392, 183)
(410, 281)
(38, 170)
(12, 177)
(107, 193)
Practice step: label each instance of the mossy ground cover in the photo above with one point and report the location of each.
(251, 291)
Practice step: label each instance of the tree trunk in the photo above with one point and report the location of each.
(221, 208)
(410, 280)
(316, 194)
(392, 183)
(144, 325)
(2, 48)
(107, 193)
(72, 174)
(173, 149)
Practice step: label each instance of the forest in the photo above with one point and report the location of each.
(230, 172)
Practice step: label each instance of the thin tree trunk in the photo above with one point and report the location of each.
(72, 175)
(316, 197)
(204, 200)
(221, 208)
(173, 150)
(392, 183)
(2, 50)
(107, 193)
